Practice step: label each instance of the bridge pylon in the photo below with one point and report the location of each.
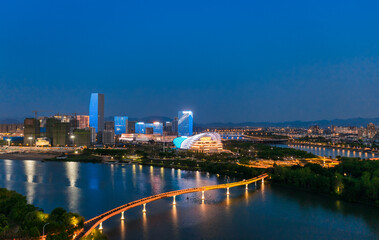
(202, 195)
(122, 216)
(227, 191)
(144, 208)
(174, 202)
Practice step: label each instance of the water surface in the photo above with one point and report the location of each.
(263, 212)
(330, 152)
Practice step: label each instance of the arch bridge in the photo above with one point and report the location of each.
(98, 220)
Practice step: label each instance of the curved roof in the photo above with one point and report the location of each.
(187, 143)
(178, 141)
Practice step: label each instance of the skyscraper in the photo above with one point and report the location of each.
(185, 123)
(120, 124)
(96, 112)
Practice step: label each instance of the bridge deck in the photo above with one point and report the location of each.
(94, 222)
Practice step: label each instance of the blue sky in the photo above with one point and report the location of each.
(228, 61)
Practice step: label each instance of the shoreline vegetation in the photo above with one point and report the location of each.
(20, 220)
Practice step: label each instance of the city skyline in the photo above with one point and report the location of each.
(264, 62)
(189, 119)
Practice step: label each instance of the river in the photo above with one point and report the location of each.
(330, 152)
(264, 212)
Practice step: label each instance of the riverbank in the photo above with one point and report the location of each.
(28, 156)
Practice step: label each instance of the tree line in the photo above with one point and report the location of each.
(352, 180)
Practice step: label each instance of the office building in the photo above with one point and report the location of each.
(120, 125)
(185, 123)
(175, 126)
(96, 112)
(108, 137)
(93, 139)
(149, 128)
(167, 128)
(131, 126)
(109, 125)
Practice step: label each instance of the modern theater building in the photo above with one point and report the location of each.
(204, 142)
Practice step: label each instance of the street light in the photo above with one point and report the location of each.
(30, 138)
(43, 229)
(73, 139)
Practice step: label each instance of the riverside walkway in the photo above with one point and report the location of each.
(98, 220)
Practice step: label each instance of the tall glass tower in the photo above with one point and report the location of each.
(120, 124)
(185, 123)
(96, 112)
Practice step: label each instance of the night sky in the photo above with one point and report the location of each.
(228, 61)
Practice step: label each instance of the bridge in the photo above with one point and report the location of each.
(98, 220)
(257, 139)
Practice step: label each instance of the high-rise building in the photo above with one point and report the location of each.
(185, 123)
(175, 126)
(109, 125)
(83, 121)
(131, 126)
(81, 137)
(108, 137)
(120, 124)
(96, 112)
(92, 135)
(371, 130)
(167, 128)
(31, 130)
(58, 131)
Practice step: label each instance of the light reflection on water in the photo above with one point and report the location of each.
(329, 152)
(262, 212)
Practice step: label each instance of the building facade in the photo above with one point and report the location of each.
(120, 125)
(185, 123)
(31, 131)
(96, 112)
(149, 128)
(83, 121)
(209, 142)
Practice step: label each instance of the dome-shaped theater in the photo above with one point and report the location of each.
(203, 142)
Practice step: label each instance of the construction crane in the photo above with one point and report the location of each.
(38, 111)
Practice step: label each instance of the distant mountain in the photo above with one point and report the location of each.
(10, 121)
(300, 124)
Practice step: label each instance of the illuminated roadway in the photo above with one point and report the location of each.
(98, 220)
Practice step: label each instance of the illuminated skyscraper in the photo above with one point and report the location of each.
(120, 124)
(185, 123)
(96, 112)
